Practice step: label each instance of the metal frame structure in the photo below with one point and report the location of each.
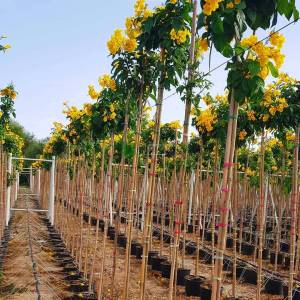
(50, 209)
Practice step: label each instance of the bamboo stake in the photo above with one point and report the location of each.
(132, 189)
(294, 206)
(225, 196)
(261, 213)
(106, 214)
(147, 228)
(120, 195)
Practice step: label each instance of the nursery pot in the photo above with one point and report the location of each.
(193, 285)
(181, 275)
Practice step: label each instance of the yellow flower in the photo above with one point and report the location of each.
(175, 125)
(173, 1)
(242, 135)
(151, 123)
(116, 41)
(264, 72)
(133, 28)
(251, 115)
(139, 7)
(130, 45)
(7, 46)
(250, 172)
(111, 107)
(105, 119)
(272, 110)
(210, 6)
(290, 136)
(107, 82)
(8, 92)
(277, 39)
(1, 114)
(207, 100)
(274, 168)
(265, 117)
(179, 36)
(112, 116)
(206, 120)
(93, 93)
(87, 107)
(230, 5)
(201, 46)
(249, 41)
(278, 57)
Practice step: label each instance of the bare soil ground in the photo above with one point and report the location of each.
(18, 281)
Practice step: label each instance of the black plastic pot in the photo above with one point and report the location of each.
(250, 276)
(167, 237)
(274, 286)
(167, 221)
(79, 287)
(85, 217)
(112, 234)
(82, 296)
(101, 225)
(296, 293)
(156, 262)
(190, 228)
(284, 247)
(156, 232)
(181, 275)
(190, 248)
(109, 229)
(151, 254)
(139, 251)
(121, 240)
(165, 267)
(247, 249)
(134, 244)
(71, 276)
(93, 221)
(229, 242)
(227, 264)
(280, 258)
(70, 268)
(205, 292)
(193, 285)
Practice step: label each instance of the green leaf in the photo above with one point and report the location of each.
(254, 67)
(273, 69)
(217, 24)
(227, 50)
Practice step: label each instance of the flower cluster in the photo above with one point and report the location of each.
(210, 6)
(107, 82)
(205, 120)
(273, 100)
(175, 125)
(263, 53)
(119, 41)
(201, 46)
(8, 92)
(109, 115)
(93, 93)
(180, 36)
(242, 135)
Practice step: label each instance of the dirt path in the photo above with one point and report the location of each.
(30, 270)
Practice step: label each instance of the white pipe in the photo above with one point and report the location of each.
(8, 189)
(51, 192)
(38, 182)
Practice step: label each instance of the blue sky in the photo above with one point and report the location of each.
(59, 47)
